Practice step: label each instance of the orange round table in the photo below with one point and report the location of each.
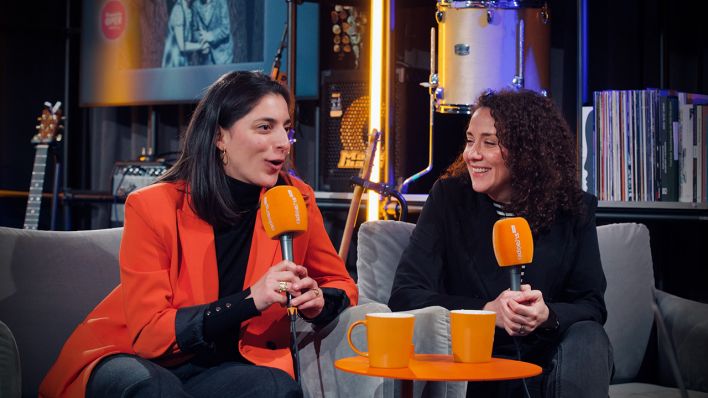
(437, 367)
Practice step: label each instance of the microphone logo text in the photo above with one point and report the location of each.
(517, 241)
(295, 207)
(268, 216)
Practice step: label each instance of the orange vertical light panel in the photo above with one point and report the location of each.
(375, 96)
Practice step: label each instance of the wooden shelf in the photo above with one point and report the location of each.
(653, 205)
(653, 210)
(606, 209)
(341, 200)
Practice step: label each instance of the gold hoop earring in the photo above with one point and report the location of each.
(224, 157)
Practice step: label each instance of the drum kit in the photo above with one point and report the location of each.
(485, 45)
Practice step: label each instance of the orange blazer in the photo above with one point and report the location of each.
(168, 261)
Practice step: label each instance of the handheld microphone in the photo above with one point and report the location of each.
(513, 246)
(283, 213)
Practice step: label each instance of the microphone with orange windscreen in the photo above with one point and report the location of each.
(513, 246)
(284, 214)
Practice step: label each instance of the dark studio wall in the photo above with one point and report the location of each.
(637, 44)
(33, 48)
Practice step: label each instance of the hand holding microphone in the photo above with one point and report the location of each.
(530, 308)
(307, 297)
(520, 310)
(513, 246)
(284, 214)
(282, 276)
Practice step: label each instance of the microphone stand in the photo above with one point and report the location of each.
(292, 44)
(286, 246)
(384, 190)
(275, 69)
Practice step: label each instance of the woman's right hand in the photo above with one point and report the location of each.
(519, 312)
(506, 318)
(267, 291)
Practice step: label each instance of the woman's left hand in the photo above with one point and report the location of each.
(531, 308)
(307, 297)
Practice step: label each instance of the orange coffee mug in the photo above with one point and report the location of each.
(472, 333)
(390, 339)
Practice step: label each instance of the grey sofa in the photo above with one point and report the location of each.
(10, 378)
(632, 302)
(49, 281)
(379, 247)
(634, 305)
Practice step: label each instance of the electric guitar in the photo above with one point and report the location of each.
(365, 174)
(47, 135)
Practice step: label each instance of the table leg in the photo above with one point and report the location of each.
(406, 388)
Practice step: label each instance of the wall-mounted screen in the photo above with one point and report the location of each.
(137, 52)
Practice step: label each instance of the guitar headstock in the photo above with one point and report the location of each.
(49, 125)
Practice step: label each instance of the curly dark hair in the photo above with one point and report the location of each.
(541, 156)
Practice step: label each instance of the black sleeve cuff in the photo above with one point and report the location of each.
(198, 327)
(225, 315)
(189, 329)
(335, 301)
(551, 325)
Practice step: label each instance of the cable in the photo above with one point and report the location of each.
(518, 357)
(292, 312)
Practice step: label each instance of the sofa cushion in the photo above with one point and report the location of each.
(687, 325)
(642, 390)
(54, 280)
(379, 248)
(626, 260)
(10, 378)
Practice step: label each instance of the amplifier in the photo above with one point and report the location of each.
(127, 177)
(343, 129)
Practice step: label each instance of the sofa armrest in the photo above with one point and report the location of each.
(687, 325)
(10, 377)
(320, 347)
(432, 330)
(432, 336)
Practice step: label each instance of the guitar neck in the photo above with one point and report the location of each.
(34, 200)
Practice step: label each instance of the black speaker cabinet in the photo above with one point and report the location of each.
(343, 129)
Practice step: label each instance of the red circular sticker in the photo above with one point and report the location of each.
(113, 19)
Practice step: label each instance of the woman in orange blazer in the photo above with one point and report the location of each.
(200, 307)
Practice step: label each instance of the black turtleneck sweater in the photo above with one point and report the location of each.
(233, 242)
(223, 318)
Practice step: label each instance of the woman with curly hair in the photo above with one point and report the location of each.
(519, 160)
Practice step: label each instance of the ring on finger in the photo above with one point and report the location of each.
(282, 286)
(521, 329)
(317, 292)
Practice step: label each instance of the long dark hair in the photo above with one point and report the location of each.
(226, 101)
(541, 156)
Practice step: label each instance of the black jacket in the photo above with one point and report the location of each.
(450, 261)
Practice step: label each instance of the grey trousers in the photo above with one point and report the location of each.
(127, 376)
(581, 366)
